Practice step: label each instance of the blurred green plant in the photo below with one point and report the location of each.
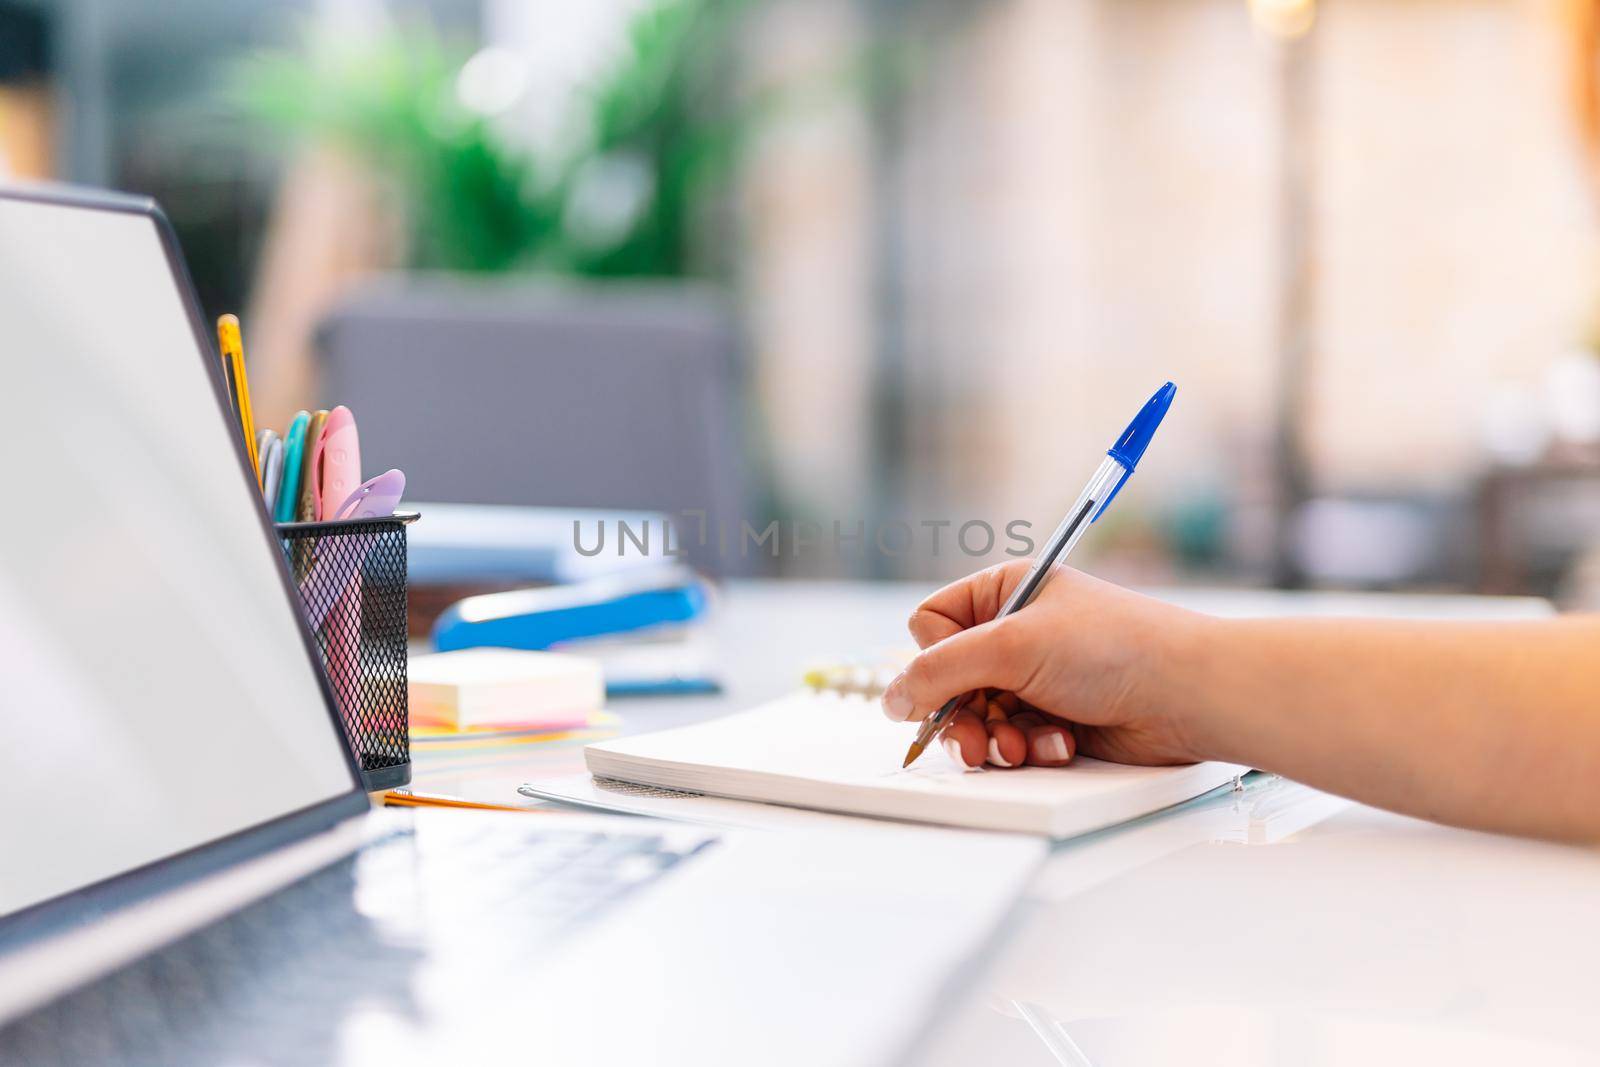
(655, 136)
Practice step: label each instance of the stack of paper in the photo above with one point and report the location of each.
(840, 754)
(503, 687)
(496, 545)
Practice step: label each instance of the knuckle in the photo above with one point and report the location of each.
(915, 678)
(1007, 638)
(922, 675)
(1010, 645)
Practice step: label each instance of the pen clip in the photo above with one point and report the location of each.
(1127, 472)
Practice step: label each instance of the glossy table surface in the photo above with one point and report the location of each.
(1272, 925)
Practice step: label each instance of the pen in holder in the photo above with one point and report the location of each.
(352, 579)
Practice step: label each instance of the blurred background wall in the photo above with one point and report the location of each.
(960, 242)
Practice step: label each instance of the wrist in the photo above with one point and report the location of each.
(1187, 691)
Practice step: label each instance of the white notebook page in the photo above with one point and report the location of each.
(840, 754)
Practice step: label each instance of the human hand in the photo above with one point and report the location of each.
(1087, 667)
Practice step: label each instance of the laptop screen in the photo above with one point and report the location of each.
(157, 694)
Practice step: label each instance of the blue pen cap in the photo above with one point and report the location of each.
(1130, 447)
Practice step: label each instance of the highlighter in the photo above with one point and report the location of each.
(341, 462)
(271, 452)
(294, 440)
(307, 507)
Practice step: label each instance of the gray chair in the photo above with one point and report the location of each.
(497, 392)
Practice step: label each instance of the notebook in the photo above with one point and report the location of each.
(840, 754)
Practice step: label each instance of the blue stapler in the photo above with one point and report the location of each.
(660, 597)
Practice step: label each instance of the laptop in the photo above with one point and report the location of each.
(189, 870)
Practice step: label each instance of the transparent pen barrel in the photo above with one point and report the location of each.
(1060, 543)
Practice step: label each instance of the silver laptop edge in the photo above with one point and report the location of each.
(221, 865)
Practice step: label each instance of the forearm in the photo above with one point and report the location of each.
(1494, 726)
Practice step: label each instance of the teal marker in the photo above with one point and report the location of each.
(294, 443)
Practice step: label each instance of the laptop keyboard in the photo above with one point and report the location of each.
(275, 982)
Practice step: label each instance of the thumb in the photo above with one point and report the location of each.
(982, 657)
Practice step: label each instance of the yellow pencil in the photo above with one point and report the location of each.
(232, 345)
(407, 798)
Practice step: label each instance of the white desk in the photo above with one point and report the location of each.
(1341, 935)
(1279, 926)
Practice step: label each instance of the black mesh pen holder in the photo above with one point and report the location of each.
(352, 579)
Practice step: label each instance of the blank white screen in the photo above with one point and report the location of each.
(154, 691)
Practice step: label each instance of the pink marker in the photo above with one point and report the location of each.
(340, 462)
(374, 499)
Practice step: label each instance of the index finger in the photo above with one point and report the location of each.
(965, 603)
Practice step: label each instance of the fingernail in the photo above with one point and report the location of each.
(952, 748)
(994, 754)
(896, 704)
(1051, 746)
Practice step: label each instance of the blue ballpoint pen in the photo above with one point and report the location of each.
(1121, 459)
